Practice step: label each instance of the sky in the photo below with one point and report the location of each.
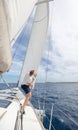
(60, 57)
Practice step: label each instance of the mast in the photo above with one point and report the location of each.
(37, 39)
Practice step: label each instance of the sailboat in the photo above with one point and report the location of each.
(13, 18)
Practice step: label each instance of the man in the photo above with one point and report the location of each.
(27, 83)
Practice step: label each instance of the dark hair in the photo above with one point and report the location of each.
(31, 72)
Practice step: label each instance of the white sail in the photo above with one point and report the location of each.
(10, 25)
(37, 39)
(13, 16)
(5, 49)
(17, 13)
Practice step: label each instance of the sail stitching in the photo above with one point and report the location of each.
(41, 19)
(44, 1)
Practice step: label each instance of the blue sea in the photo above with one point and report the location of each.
(64, 99)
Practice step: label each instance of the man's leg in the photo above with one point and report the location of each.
(28, 96)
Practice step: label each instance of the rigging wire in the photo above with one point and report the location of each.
(25, 31)
(68, 117)
(8, 86)
(18, 45)
(47, 58)
(73, 121)
(39, 96)
(38, 99)
(28, 30)
(49, 41)
(46, 70)
(46, 65)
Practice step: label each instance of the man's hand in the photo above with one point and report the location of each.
(33, 79)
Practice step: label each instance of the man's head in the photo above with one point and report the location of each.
(32, 72)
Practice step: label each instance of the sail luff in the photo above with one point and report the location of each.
(17, 14)
(13, 16)
(37, 39)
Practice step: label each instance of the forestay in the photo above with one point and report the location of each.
(37, 39)
(13, 16)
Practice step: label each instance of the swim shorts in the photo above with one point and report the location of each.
(26, 88)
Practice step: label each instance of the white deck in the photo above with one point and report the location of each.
(9, 115)
(2, 112)
(30, 120)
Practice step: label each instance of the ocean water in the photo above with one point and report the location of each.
(63, 97)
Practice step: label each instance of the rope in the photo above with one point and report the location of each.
(8, 86)
(12, 97)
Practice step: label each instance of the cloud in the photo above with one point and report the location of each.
(60, 58)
